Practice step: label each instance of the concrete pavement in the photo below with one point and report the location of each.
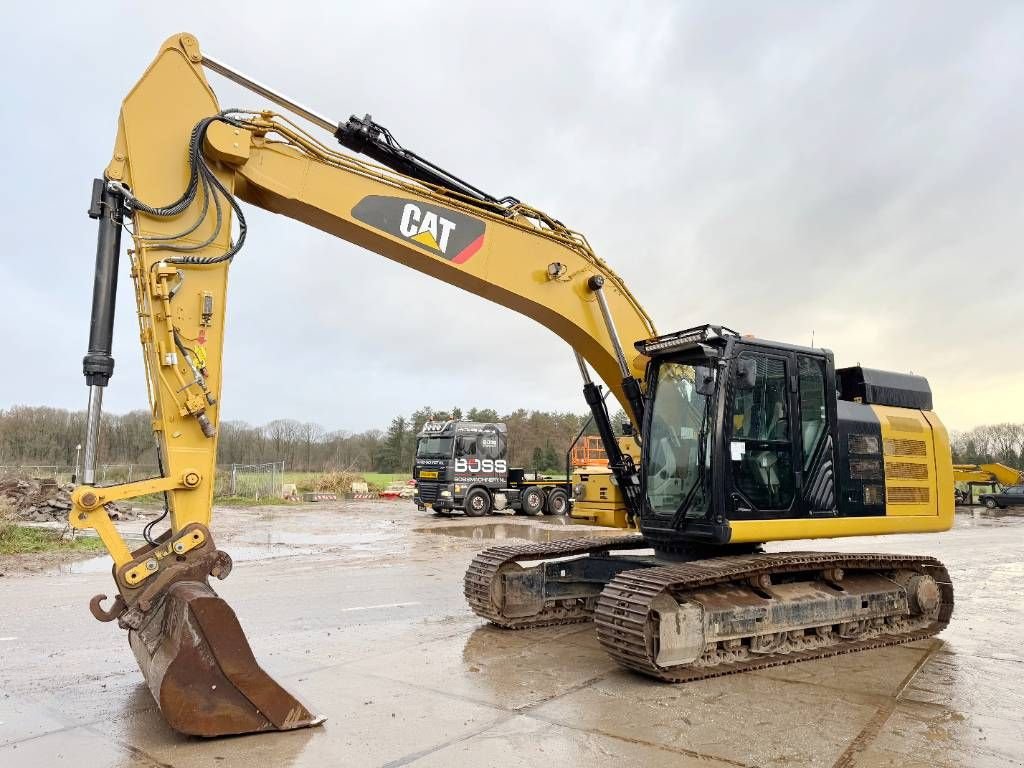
(358, 609)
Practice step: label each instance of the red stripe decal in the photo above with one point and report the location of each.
(468, 251)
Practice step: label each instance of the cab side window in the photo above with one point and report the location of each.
(812, 405)
(761, 413)
(490, 444)
(761, 451)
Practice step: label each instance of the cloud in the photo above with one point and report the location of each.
(850, 170)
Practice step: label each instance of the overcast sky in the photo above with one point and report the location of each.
(851, 170)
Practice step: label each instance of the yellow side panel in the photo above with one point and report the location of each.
(946, 498)
(833, 527)
(918, 487)
(909, 453)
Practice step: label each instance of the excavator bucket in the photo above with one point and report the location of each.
(202, 672)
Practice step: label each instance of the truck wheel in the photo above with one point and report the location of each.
(991, 503)
(531, 501)
(478, 502)
(558, 502)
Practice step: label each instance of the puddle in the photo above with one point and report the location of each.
(980, 517)
(99, 564)
(96, 564)
(508, 531)
(258, 546)
(247, 553)
(309, 538)
(557, 520)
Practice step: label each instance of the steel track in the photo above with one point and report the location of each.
(487, 566)
(626, 622)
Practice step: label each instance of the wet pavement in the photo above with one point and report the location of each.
(357, 607)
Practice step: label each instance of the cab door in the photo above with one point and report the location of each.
(761, 435)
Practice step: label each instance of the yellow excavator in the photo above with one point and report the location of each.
(743, 441)
(597, 499)
(971, 479)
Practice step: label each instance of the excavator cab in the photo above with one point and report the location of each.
(742, 430)
(718, 431)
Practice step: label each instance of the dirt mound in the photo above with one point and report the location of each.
(41, 500)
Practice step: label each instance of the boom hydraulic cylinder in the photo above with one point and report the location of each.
(98, 364)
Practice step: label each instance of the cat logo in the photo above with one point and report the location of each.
(452, 235)
(423, 227)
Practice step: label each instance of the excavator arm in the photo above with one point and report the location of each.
(179, 167)
(987, 474)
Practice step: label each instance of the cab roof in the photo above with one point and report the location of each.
(710, 337)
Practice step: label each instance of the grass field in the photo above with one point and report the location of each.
(245, 501)
(381, 479)
(377, 480)
(19, 539)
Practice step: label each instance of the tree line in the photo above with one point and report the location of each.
(989, 443)
(537, 440)
(49, 436)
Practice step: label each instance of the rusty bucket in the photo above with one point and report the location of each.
(202, 672)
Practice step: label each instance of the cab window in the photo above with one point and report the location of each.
(490, 444)
(761, 451)
(434, 446)
(761, 413)
(812, 405)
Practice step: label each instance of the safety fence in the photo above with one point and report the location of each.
(247, 481)
(30, 470)
(251, 481)
(106, 474)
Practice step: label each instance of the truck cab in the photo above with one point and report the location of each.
(463, 465)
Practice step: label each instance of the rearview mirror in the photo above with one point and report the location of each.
(746, 373)
(704, 380)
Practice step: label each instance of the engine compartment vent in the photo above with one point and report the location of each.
(905, 470)
(900, 447)
(898, 494)
(866, 469)
(860, 443)
(874, 495)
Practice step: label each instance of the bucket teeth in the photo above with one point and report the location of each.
(202, 672)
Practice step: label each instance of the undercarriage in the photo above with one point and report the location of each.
(678, 619)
